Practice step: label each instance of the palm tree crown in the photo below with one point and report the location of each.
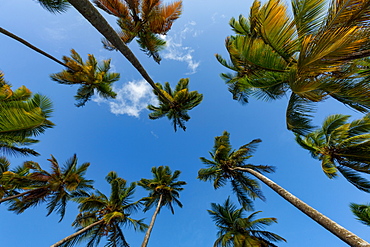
(342, 146)
(55, 187)
(163, 184)
(90, 75)
(182, 101)
(144, 19)
(105, 214)
(23, 116)
(235, 230)
(164, 190)
(224, 167)
(313, 55)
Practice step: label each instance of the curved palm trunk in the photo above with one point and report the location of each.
(339, 231)
(13, 36)
(100, 23)
(147, 234)
(70, 237)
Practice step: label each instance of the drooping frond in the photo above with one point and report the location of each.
(91, 76)
(182, 100)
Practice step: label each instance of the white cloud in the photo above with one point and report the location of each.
(176, 51)
(131, 99)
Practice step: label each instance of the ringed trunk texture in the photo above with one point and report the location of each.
(100, 23)
(13, 36)
(150, 228)
(348, 237)
(70, 237)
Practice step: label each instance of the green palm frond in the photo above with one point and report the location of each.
(236, 230)
(164, 185)
(93, 77)
(182, 101)
(108, 213)
(55, 188)
(298, 114)
(23, 116)
(362, 212)
(227, 165)
(317, 53)
(341, 146)
(54, 6)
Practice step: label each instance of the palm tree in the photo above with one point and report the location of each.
(311, 56)
(234, 229)
(101, 215)
(163, 190)
(343, 147)
(100, 23)
(182, 101)
(362, 212)
(146, 20)
(222, 167)
(23, 116)
(55, 187)
(91, 76)
(233, 167)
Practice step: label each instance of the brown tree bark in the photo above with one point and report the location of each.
(70, 237)
(348, 237)
(147, 234)
(100, 23)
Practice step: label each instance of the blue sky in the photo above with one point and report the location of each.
(117, 134)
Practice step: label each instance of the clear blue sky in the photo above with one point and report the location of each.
(117, 135)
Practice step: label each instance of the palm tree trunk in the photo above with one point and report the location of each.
(70, 237)
(98, 21)
(147, 234)
(15, 196)
(339, 231)
(13, 36)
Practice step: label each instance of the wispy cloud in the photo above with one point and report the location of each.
(131, 99)
(175, 50)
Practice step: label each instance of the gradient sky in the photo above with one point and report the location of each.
(117, 134)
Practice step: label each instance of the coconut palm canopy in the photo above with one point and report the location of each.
(117, 134)
(308, 56)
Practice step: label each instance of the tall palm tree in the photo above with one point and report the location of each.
(23, 116)
(146, 20)
(55, 187)
(362, 212)
(221, 168)
(311, 55)
(234, 229)
(233, 167)
(101, 215)
(100, 23)
(343, 147)
(164, 190)
(90, 75)
(182, 101)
